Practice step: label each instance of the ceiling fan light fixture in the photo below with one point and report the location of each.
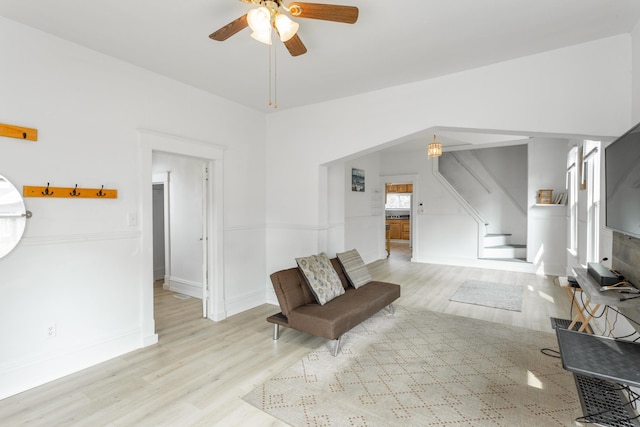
(259, 20)
(262, 36)
(287, 28)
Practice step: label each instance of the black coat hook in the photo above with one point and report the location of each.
(101, 193)
(75, 192)
(46, 191)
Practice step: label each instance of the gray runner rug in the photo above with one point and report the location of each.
(490, 294)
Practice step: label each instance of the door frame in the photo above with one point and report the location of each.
(213, 155)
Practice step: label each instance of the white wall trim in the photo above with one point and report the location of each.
(182, 286)
(80, 238)
(246, 227)
(308, 227)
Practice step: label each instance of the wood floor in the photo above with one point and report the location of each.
(199, 370)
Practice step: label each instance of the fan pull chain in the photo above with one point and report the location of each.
(275, 78)
(269, 84)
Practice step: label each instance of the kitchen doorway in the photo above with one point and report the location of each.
(399, 215)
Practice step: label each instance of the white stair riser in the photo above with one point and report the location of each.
(507, 252)
(496, 240)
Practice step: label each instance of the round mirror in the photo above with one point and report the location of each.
(13, 216)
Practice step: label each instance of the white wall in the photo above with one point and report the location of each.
(364, 211)
(635, 73)
(79, 265)
(547, 242)
(582, 89)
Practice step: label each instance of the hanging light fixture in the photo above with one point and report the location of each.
(434, 149)
(262, 20)
(286, 27)
(259, 21)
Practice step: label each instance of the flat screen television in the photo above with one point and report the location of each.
(622, 181)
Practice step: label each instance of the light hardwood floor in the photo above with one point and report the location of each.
(199, 370)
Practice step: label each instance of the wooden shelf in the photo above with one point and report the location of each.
(18, 132)
(69, 192)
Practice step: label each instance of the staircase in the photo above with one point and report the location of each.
(497, 247)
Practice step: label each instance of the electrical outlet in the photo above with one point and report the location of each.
(52, 330)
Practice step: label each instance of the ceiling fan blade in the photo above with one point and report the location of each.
(327, 12)
(230, 29)
(295, 46)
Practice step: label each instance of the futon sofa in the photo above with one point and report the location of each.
(301, 311)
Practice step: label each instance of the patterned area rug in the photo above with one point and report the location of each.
(425, 369)
(490, 294)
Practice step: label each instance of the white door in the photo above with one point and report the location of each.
(205, 242)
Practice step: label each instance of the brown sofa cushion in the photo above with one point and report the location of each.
(291, 289)
(343, 313)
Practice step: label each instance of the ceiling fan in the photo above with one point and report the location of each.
(272, 14)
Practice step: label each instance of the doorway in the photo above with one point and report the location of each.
(211, 157)
(399, 216)
(159, 231)
(183, 233)
(179, 213)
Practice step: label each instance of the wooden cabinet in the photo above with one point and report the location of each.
(395, 229)
(406, 230)
(399, 229)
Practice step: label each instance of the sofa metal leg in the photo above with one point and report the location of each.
(391, 308)
(276, 332)
(336, 350)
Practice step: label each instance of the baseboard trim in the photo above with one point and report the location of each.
(182, 286)
(36, 372)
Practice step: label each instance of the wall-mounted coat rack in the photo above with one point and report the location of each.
(69, 192)
(18, 132)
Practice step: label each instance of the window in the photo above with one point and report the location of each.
(572, 186)
(591, 169)
(398, 201)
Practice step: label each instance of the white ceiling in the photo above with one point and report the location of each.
(393, 42)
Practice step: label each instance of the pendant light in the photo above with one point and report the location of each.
(434, 149)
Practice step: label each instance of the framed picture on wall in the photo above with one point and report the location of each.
(357, 180)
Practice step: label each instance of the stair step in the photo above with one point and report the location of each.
(495, 239)
(524, 260)
(505, 251)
